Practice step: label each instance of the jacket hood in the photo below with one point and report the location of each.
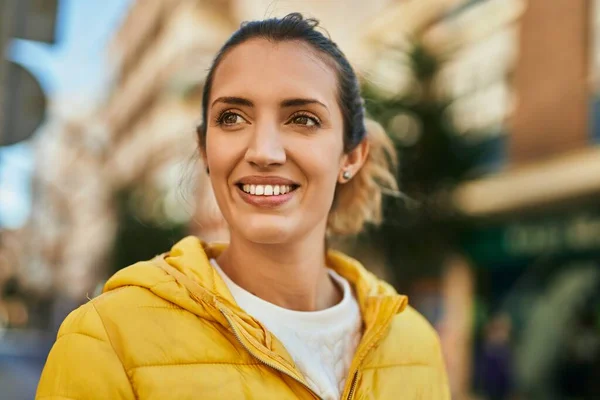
(190, 260)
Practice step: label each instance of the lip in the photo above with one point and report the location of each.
(265, 180)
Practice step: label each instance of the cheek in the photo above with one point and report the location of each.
(320, 162)
(220, 156)
(221, 159)
(325, 155)
(323, 167)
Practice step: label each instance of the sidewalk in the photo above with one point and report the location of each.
(22, 357)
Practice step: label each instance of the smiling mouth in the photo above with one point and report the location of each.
(267, 190)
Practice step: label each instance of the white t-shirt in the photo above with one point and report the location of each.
(322, 343)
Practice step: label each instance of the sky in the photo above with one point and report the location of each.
(73, 66)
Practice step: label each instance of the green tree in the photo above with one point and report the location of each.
(421, 228)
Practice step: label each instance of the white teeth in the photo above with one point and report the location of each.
(266, 190)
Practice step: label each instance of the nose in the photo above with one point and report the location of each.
(265, 148)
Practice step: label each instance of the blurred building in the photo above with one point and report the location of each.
(139, 141)
(540, 204)
(22, 107)
(477, 44)
(535, 217)
(161, 54)
(522, 76)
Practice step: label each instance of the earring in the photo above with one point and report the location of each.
(207, 171)
(346, 175)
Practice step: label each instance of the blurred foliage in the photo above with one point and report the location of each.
(420, 230)
(141, 238)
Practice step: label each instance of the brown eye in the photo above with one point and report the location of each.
(230, 118)
(305, 120)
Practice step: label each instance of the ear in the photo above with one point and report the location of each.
(353, 161)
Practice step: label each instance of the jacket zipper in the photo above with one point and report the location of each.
(370, 344)
(268, 364)
(376, 337)
(353, 385)
(162, 264)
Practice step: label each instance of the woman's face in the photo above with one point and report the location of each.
(274, 141)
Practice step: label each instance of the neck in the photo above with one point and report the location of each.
(292, 276)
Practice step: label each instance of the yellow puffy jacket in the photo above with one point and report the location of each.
(170, 329)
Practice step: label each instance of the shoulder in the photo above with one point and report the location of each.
(84, 321)
(412, 325)
(138, 325)
(90, 318)
(411, 340)
(409, 360)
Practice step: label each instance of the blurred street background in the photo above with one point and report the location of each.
(494, 106)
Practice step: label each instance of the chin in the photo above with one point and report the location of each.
(267, 230)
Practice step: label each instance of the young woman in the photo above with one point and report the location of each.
(274, 314)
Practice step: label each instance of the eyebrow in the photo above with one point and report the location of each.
(236, 101)
(240, 101)
(301, 102)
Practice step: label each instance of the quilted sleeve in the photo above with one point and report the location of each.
(83, 363)
(441, 387)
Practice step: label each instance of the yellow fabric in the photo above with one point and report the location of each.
(169, 329)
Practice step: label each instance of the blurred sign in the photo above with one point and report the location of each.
(24, 106)
(573, 234)
(595, 119)
(22, 102)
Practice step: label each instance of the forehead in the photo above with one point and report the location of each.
(262, 70)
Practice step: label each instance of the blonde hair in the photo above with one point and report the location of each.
(359, 201)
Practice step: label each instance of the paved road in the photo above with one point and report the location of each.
(22, 357)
